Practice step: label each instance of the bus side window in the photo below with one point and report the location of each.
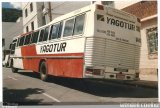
(68, 29)
(45, 37)
(27, 39)
(60, 29)
(79, 24)
(54, 31)
(13, 46)
(41, 35)
(21, 41)
(18, 42)
(35, 37)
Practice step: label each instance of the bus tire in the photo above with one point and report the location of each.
(43, 71)
(14, 70)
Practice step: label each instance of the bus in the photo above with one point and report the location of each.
(92, 42)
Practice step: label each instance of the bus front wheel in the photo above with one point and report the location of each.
(43, 71)
(14, 70)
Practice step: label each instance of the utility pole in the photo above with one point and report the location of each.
(49, 11)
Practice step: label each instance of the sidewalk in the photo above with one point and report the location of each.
(146, 81)
(149, 77)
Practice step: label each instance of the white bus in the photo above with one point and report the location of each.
(91, 42)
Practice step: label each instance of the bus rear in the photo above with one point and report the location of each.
(114, 49)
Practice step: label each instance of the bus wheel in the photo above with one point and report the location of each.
(14, 70)
(43, 71)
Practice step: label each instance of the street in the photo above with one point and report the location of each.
(25, 88)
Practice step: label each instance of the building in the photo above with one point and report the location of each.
(147, 12)
(32, 15)
(10, 30)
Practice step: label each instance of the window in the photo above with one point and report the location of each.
(54, 31)
(31, 7)
(41, 35)
(152, 35)
(35, 37)
(18, 42)
(45, 37)
(13, 46)
(32, 25)
(27, 39)
(60, 29)
(27, 29)
(21, 41)
(79, 24)
(68, 29)
(26, 13)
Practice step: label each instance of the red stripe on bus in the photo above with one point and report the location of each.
(72, 67)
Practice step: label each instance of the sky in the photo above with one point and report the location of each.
(11, 5)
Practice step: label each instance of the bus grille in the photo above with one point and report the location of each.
(105, 52)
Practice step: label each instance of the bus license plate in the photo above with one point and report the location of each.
(120, 76)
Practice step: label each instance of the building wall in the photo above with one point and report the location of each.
(32, 16)
(120, 4)
(24, 4)
(10, 30)
(39, 14)
(143, 9)
(148, 62)
(63, 7)
(35, 20)
(147, 12)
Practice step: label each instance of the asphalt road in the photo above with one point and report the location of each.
(25, 88)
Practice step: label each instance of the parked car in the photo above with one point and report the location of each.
(5, 62)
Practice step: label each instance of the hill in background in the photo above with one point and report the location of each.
(10, 15)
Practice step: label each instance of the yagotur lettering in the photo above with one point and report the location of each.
(121, 24)
(57, 47)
